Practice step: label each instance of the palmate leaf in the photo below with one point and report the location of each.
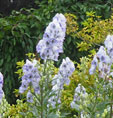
(76, 107)
(102, 105)
(56, 115)
(52, 115)
(35, 111)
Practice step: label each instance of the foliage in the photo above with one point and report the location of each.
(72, 25)
(94, 31)
(14, 111)
(20, 30)
(80, 7)
(19, 33)
(17, 110)
(4, 107)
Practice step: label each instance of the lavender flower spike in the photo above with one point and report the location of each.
(30, 78)
(29, 97)
(93, 65)
(109, 42)
(52, 42)
(109, 45)
(1, 85)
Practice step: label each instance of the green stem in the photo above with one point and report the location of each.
(111, 105)
(44, 72)
(111, 114)
(42, 101)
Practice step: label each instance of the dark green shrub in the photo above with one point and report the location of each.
(20, 32)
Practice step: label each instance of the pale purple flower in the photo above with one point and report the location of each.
(58, 83)
(72, 104)
(66, 68)
(1, 85)
(1, 95)
(35, 83)
(102, 59)
(28, 66)
(80, 91)
(92, 70)
(101, 51)
(104, 69)
(40, 45)
(1, 80)
(24, 86)
(61, 20)
(29, 97)
(54, 100)
(109, 45)
(110, 52)
(65, 71)
(93, 65)
(109, 42)
(37, 89)
(102, 55)
(54, 31)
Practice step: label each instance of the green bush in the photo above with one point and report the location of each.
(20, 32)
(18, 35)
(14, 111)
(94, 31)
(4, 107)
(15, 41)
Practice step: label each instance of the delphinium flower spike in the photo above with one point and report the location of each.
(65, 71)
(31, 77)
(80, 91)
(1, 86)
(52, 42)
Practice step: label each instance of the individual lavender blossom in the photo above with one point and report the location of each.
(29, 97)
(109, 42)
(66, 68)
(104, 69)
(52, 43)
(28, 66)
(24, 85)
(1, 85)
(109, 45)
(31, 77)
(54, 100)
(80, 91)
(61, 20)
(93, 65)
(102, 55)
